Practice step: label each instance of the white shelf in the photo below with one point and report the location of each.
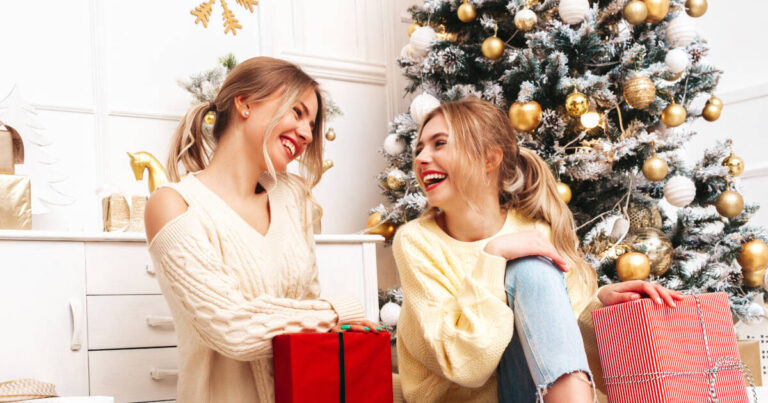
(139, 237)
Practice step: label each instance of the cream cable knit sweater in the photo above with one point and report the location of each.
(231, 289)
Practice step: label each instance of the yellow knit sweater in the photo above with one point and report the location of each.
(455, 322)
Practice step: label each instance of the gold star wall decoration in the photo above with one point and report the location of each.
(231, 24)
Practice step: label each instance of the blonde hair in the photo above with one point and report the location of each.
(257, 79)
(525, 183)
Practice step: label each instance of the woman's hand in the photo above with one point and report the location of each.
(633, 290)
(359, 326)
(525, 243)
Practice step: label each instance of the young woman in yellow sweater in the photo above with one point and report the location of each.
(232, 241)
(487, 313)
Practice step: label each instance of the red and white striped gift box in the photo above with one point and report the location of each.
(653, 353)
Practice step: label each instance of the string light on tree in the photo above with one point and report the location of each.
(696, 8)
(635, 12)
(525, 117)
(525, 19)
(466, 12)
(573, 11)
(590, 120)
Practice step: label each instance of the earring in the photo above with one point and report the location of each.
(245, 114)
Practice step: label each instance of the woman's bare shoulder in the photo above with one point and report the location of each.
(164, 205)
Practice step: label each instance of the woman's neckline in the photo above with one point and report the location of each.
(443, 234)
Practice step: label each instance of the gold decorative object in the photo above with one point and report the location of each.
(143, 160)
(11, 149)
(396, 179)
(673, 77)
(443, 35)
(753, 255)
(657, 10)
(231, 24)
(639, 92)
(377, 227)
(576, 103)
(525, 117)
(655, 245)
(696, 8)
(635, 12)
(15, 202)
(735, 164)
(327, 164)
(564, 191)
(753, 278)
(655, 168)
(712, 109)
(640, 217)
(138, 205)
(673, 115)
(729, 204)
(525, 19)
(412, 28)
(717, 102)
(633, 266)
(492, 47)
(466, 12)
(115, 212)
(210, 118)
(330, 134)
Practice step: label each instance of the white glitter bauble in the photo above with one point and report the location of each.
(407, 51)
(676, 60)
(422, 105)
(394, 145)
(573, 11)
(680, 191)
(681, 31)
(390, 313)
(422, 40)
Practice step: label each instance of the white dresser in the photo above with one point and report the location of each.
(85, 312)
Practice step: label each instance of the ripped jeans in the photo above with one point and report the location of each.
(547, 342)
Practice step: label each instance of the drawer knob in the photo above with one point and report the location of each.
(150, 269)
(158, 374)
(159, 321)
(76, 308)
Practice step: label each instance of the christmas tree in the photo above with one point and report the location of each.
(606, 95)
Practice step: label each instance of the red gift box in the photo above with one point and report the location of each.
(332, 367)
(653, 353)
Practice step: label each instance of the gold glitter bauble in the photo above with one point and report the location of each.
(525, 117)
(396, 179)
(330, 135)
(525, 19)
(576, 104)
(735, 164)
(640, 217)
(635, 12)
(210, 117)
(655, 169)
(696, 8)
(655, 245)
(729, 204)
(633, 266)
(753, 256)
(466, 12)
(327, 164)
(412, 28)
(657, 10)
(674, 115)
(492, 47)
(639, 92)
(564, 191)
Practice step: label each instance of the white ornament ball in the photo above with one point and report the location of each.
(573, 11)
(390, 313)
(680, 191)
(394, 145)
(407, 51)
(422, 40)
(677, 60)
(681, 31)
(620, 228)
(422, 105)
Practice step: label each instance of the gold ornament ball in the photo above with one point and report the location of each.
(639, 92)
(729, 204)
(412, 28)
(657, 10)
(467, 12)
(655, 245)
(327, 164)
(753, 256)
(525, 19)
(576, 104)
(210, 118)
(753, 278)
(674, 77)
(525, 117)
(633, 266)
(373, 220)
(674, 115)
(564, 191)
(330, 135)
(396, 179)
(696, 8)
(635, 12)
(711, 112)
(492, 47)
(643, 217)
(655, 169)
(735, 165)
(376, 227)
(717, 102)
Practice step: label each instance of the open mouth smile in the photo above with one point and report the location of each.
(432, 179)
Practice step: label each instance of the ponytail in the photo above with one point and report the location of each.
(190, 145)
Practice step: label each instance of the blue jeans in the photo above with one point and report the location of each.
(547, 342)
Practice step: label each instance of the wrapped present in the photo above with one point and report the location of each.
(653, 353)
(15, 202)
(332, 367)
(749, 350)
(11, 149)
(138, 204)
(116, 213)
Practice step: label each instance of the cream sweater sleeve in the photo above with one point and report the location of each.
(196, 280)
(459, 332)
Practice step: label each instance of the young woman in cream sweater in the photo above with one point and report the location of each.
(485, 317)
(232, 241)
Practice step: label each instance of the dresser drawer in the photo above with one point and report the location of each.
(119, 268)
(129, 321)
(134, 375)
